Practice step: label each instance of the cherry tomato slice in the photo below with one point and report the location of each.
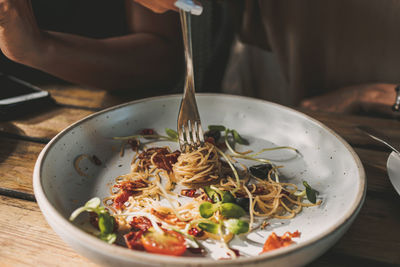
(169, 243)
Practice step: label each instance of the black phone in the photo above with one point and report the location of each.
(18, 96)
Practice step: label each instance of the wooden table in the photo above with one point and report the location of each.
(26, 238)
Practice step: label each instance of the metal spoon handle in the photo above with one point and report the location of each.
(377, 136)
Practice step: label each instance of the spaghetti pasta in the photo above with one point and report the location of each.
(212, 207)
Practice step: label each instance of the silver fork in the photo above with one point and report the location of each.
(189, 125)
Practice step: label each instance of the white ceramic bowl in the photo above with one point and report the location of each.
(329, 164)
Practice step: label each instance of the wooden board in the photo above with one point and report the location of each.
(27, 240)
(44, 124)
(94, 98)
(82, 97)
(17, 159)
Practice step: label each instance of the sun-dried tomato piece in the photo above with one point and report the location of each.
(134, 143)
(188, 192)
(148, 132)
(128, 188)
(131, 185)
(196, 232)
(274, 241)
(140, 223)
(165, 161)
(133, 240)
(121, 198)
(163, 158)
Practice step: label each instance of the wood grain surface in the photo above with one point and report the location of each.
(27, 240)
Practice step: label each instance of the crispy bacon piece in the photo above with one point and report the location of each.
(140, 224)
(164, 159)
(133, 240)
(274, 241)
(128, 188)
(168, 218)
(189, 192)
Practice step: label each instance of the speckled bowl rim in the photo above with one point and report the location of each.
(86, 239)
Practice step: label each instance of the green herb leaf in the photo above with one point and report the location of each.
(106, 223)
(243, 202)
(261, 171)
(171, 133)
(227, 197)
(209, 227)
(236, 226)
(216, 128)
(238, 138)
(311, 193)
(109, 238)
(91, 205)
(230, 210)
(207, 209)
(212, 194)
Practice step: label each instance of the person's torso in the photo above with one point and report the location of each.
(325, 45)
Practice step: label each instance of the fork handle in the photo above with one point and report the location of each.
(187, 41)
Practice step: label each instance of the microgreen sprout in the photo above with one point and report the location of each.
(227, 209)
(261, 171)
(224, 196)
(309, 192)
(236, 226)
(171, 135)
(209, 227)
(105, 220)
(220, 128)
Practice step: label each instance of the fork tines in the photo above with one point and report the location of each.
(191, 135)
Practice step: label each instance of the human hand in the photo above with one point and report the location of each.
(19, 34)
(367, 98)
(158, 6)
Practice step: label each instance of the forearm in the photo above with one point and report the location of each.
(135, 61)
(374, 98)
